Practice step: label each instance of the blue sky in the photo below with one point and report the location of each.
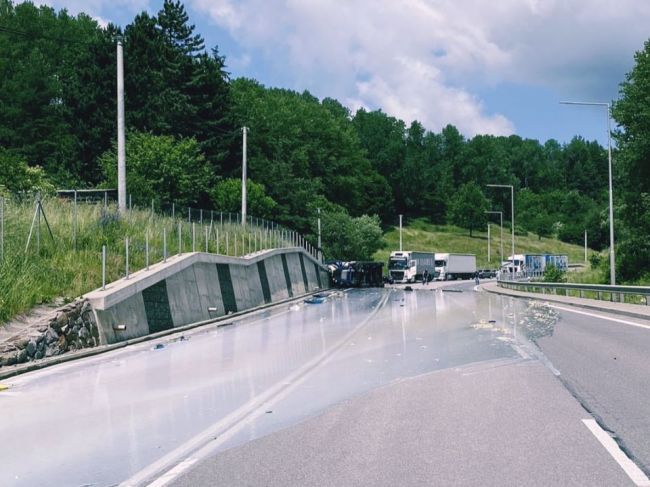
(497, 67)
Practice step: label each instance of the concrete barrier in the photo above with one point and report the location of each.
(197, 286)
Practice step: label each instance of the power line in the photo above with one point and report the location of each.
(37, 35)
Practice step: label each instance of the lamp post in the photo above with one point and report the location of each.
(612, 259)
(320, 253)
(243, 177)
(512, 210)
(500, 213)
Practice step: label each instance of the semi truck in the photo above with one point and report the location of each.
(409, 266)
(534, 263)
(357, 274)
(454, 266)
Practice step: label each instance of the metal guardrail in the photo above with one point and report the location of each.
(603, 292)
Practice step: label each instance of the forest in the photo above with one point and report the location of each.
(184, 118)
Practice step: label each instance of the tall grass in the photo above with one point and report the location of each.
(71, 264)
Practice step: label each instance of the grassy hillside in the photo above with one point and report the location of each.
(420, 235)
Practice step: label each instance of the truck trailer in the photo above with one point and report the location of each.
(534, 263)
(454, 266)
(409, 266)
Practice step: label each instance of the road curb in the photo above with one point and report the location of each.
(90, 352)
(551, 299)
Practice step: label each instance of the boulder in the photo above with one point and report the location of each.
(51, 336)
(30, 349)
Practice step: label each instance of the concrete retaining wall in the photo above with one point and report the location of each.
(182, 290)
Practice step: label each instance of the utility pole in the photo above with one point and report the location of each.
(585, 246)
(121, 151)
(243, 177)
(400, 233)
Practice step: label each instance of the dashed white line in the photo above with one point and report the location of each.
(635, 473)
(594, 315)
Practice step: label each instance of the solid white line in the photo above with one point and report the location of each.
(173, 473)
(594, 315)
(227, 423)
(630, 468)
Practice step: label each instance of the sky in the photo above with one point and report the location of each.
(488, 67)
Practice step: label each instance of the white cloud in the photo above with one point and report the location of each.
(100, 10)
(423, 58)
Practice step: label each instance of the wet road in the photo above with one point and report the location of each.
(351, 391)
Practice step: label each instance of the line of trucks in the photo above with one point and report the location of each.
(409, 266)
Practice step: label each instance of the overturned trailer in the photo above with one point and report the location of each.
(357, 274)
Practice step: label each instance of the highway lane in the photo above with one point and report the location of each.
(440, 380)
(436, 395)
(604, 359)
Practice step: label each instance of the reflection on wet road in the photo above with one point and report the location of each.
(104, 420)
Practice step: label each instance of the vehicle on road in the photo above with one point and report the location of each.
(357, 274)
(487, 273)
(409, 266)
(454, 266)
(534, 263)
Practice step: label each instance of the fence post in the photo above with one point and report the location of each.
(74, 223)
(227, 245)
(206, 240)
(164, 244)
(217, 241)
(193, 238)
(127, 257)
(146, 250)
(179, 238)
(103, 267)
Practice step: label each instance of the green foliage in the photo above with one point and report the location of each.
(349, 238)
(554, 274)
(632, 114)
(468, 207)
(161, 168)
(226, 196)
(16, 176)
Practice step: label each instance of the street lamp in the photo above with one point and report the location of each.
(512, 210)
(121, 150)
(500, 213)
(612, 260)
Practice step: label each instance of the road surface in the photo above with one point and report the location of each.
(372, 387)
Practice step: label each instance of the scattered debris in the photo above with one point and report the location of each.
(159, 346)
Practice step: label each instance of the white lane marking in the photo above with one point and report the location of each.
(212, 435)
(173, 473)
(630, 468)
(594, 315)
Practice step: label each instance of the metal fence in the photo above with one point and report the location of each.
(87, 222)
(624, 294)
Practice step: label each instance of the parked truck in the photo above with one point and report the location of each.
(409, 266)
(534, 263)
(454, 266)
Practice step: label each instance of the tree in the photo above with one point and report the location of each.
(161, 168)
(347, 238)
(632, 113)
(17, 176)
(226, 196)
(468, 206)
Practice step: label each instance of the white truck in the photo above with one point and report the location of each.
(533, 264)
(409, 266)
(454, 266)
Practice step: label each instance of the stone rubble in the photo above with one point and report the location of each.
(73, 328)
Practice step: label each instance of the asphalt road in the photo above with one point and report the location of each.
(372, 387)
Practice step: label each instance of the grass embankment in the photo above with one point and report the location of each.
(421, 235)
(67, 269)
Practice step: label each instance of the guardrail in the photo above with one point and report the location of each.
(603, 292)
